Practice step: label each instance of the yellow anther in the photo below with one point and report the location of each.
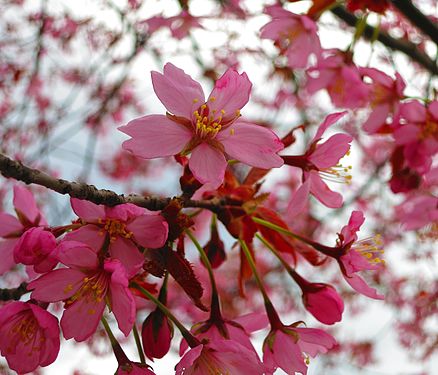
(195, 100)
(232, 131)
(212, 99)
(91, 312)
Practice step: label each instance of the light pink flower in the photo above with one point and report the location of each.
(36, 248)
(123, 229)
(321, 160)
(11, 228)
(208, 129)
(385, 96)
(341, 78)
(418, 211)
(86, 286)
(419, 134)
(219, 357)
(29, 336)
(295, 35)
(289, 347)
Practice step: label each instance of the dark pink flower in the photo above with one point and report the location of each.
(156, 334)
(289, 347)
(385, 96)
(219, 357)
(208, 130)
(123, 229)
(321, 161)
(11, 228)
(295, 35)
(341, 78)
(133, 368)
(86, 287)
(29, 336)
(36, 247)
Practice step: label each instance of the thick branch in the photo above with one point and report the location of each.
(408, 48)
(13, 294)
(417, 18)
(18, 171)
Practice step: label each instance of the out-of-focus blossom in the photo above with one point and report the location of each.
(29, 336)
(295, 35)
(378, 6)
(208, 130)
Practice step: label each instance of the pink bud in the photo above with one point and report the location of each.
(323, 302)
(36, 247)
(157, 333)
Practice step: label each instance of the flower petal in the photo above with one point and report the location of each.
(9, 224)
(178, 92)
(327, 154)
(208, 165)
(149, 230)
(155, 136)
(328, 121)
(128, 254)
(77, 255)
(252, 144)
(322, 192)
(89, 234)
(360, 286)
(87, 210)
(25, 203)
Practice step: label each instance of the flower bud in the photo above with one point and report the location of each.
(323, 302)
(157, 333)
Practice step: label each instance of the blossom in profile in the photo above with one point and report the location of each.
(29, 336)
(156, 334)
(11, 228)
(122, 229)
(220, 357)
(321, 162)
(289, 347)
(295, 35)
(211, 130)
(86, 286)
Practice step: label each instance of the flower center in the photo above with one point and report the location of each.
(429, 130)
(25, 329)
(370, 248)
(208, 123)
(339, 173)
(114, 228)
(93, 290)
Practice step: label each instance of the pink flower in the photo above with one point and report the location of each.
(418, 211)
(341, 78)
(294, 34)
(219, 357)
(156, 334)
(321, 161)
(123, 229)
(419, 134)
(36, 247)
(385, 96)
(133, 368)
(209, 130)
(12, 228)
(29, 336)
(86, 287)
(289, 347)
(355, 256)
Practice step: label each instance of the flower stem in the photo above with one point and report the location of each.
(138, 344)
(191, 340)
(110, 334)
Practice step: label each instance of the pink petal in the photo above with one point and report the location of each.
(413, 111)
(89, 234)
(433, 109)
(321, 191)
(329, 153)
(57, 285)
(320, 340)
(128, 254)
(287, 354)
(360, 286)
(187, 361)
(9, 224)
(149, 230)
(377, 76)
(299, 200)
(124, 212)
(325, 77)
(122, 301)
(208, 165)
(406, 134)
(7, 254)
(155, 136)
(252, 144)
(231, 93)
(77, 255)
(253, 321)
(377, 118)
(178, 92)
(349, 232)
(80, 320)
(328, 121)
(86, 210)
(25, 203)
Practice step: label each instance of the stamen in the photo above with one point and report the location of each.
(339, 173)
(116, 228)
(370, 248)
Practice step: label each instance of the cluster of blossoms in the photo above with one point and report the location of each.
(118, 260)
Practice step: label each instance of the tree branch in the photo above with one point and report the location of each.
(408, 48)
(18, 171)
(417, 18)
(13, 294)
